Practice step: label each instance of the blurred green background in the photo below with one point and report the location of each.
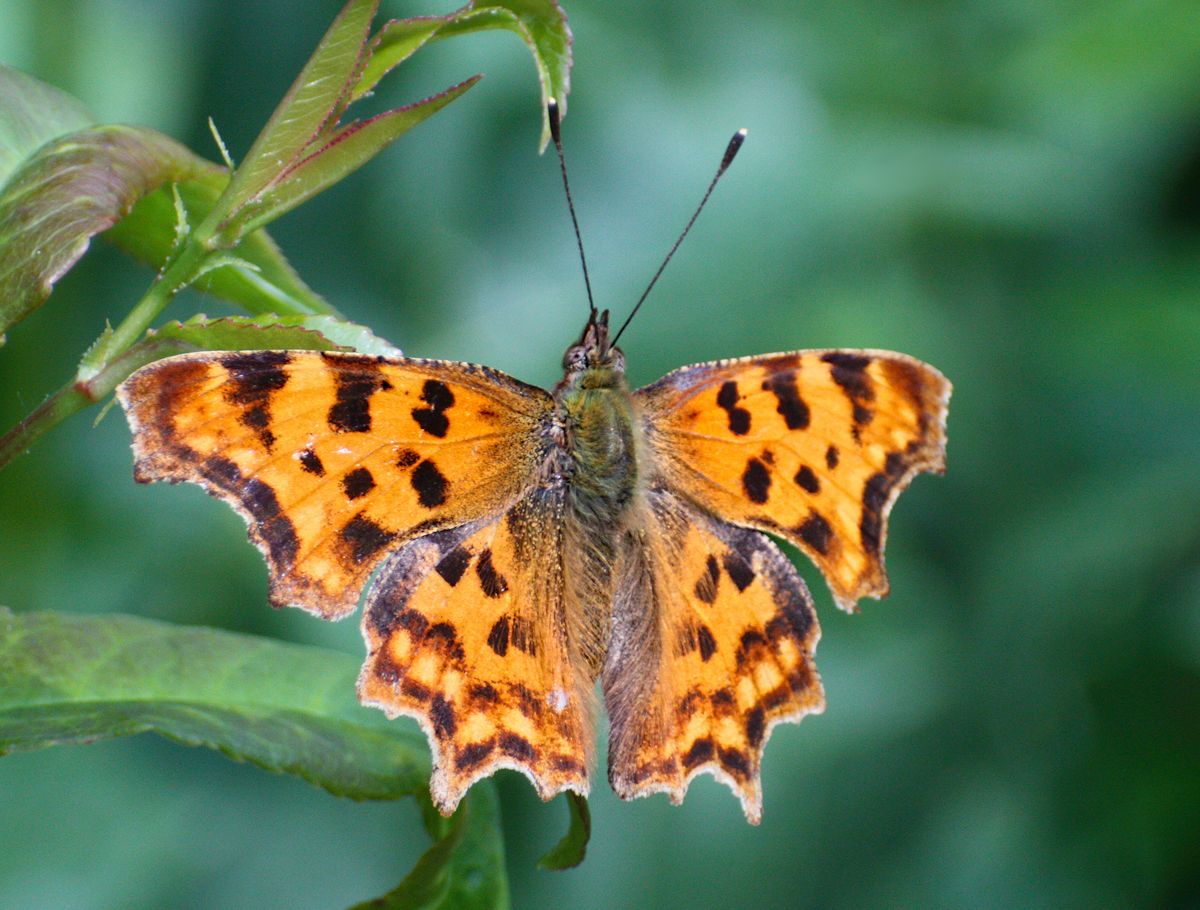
(1008, 189)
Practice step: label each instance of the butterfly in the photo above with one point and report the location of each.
(530, 542)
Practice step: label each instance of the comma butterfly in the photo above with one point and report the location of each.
(533, 542)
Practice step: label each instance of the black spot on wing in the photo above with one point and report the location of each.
(807, 480)
(441, 713)
(708, 644)
(452, 566)
(406, 458)
(493, 583)
(357, 483)
(831, 457)
(850, 372)
(702, 750)
(498, 638)
(311, 463)
(254, 376)
(517, 747)
(756, 481)
(739, 571)
(484, 694)
(815, 532)
(258, 498)
(735, 762)
(521, 636)
(756, 726)
(364, 537)
(415, 690)
(473, 755)
(438, 398)
(430, 484)
(706, 584)
(791, 405)
(876, 492)
(739, 418)
(351, 412)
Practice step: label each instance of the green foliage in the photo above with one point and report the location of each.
(571, 849)
(464, 867)
(287, 708)
(68, 190)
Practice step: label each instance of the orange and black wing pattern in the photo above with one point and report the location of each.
(335, 459)
(466, 631)
(714, 634)
(814, 446)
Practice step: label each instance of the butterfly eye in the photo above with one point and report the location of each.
(575, 358)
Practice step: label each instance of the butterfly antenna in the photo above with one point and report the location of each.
(555, 133)
(731, 151)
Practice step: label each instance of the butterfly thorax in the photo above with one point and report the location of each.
(595, 413)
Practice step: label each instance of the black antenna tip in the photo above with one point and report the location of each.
(552, 115)
(731, 150)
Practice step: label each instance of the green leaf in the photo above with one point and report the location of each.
(70, 189)
(148, 233)
(100, 375)
(465, 866)
(541, 24)
(351, 336)
(316, 99)
(570, 851)
(345, 151)
(287, 708)
(31, 114)
(266, 333)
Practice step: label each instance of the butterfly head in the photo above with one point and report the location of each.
(593, 360)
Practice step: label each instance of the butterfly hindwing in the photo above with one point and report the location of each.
(712, 645)
(466, 632)
(335, 459)
(814, 446)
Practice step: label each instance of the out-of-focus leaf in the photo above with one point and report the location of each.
(67, 191)
(541, 24)
(345, 151)
(287, 708)
(239, 333)
(350, 335)
(463, 869)
(317, 98)
(570, 851)
(148, 232)
(31, 114)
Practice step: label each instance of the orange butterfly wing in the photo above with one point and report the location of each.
(466, 631)
(814, 446)
(713, 640)
(335, 459)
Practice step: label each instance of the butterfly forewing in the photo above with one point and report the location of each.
(335, 459)
(814, 446)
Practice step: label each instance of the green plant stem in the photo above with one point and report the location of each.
(105, 368)
(58, 407)
(177, 274)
